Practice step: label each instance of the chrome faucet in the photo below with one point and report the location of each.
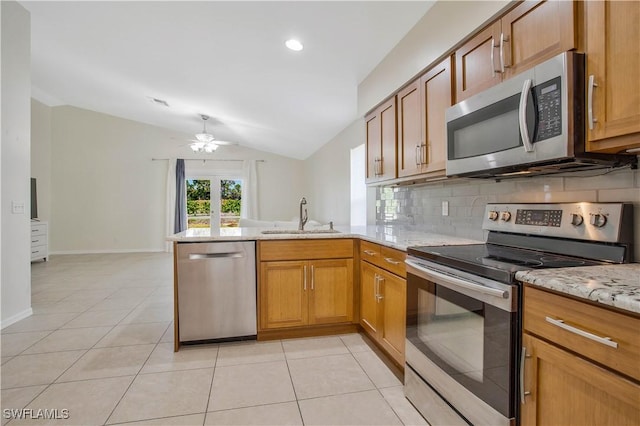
(303, 218)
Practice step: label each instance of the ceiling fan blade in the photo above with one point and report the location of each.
(217, 142)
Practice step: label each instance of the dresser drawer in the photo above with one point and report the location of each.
(39, 240)
(38, 229)
(38, 252)
(581, 327)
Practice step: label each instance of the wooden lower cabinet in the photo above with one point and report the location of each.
(308, 292)
(283, 298)
(383, 308)
(565, 389)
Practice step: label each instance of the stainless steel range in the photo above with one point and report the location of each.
(463, 303)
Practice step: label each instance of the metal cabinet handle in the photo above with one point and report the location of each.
(493, 64)
(522, 116)
(418, 159)
(380, 167)
(391, 261)
(312, 278)
(370, 252)
(376, 282)
(423, 156)
(503, 40)
(304, 287)
(604, 340)
(523, 393)
(591, 86)
(379, 296)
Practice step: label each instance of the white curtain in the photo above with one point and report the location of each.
(249, 205)
(170, 206)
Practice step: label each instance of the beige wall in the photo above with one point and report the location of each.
(107, 195)
(444, 25)
(41, 156)
(15, 251)
(441, 28)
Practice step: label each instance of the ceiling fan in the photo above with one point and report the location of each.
(206, 142)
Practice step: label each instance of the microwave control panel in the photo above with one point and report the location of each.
(549, 105)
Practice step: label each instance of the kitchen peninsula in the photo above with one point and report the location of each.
(314, 283)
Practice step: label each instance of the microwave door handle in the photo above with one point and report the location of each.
(522, 115)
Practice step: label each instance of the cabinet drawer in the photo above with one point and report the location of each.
(306, 250)
(393, 261)
(371, 252)
(543, 310)
(386, 258)
(38, 252)
(38, 229)
(39, 240)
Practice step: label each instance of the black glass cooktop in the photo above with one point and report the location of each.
(494, 261)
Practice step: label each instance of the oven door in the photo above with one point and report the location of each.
(462, 340)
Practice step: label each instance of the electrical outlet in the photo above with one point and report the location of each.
(445, 208)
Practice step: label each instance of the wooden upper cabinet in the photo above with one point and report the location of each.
(535, 31)
(421, 122)
(613, 64)
(437, 95)
(477, 65)
(529, 34)
(381, 142)
(410, 139)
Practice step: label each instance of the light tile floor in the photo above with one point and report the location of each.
(100, 345)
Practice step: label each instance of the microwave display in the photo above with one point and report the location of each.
(548, 95)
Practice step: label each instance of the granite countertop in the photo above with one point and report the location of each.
(390, 236)
(612, 285)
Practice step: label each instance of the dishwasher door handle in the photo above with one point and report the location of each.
(235, 254)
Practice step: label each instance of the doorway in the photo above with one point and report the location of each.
(213, 202)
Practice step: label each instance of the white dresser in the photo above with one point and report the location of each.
(39, 241)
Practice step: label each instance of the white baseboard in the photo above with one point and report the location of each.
(17, 317)
(112, 251)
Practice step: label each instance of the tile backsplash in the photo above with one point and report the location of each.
(419, 207)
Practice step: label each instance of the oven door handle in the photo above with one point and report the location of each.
(459, 282)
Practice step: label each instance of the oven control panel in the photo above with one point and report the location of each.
(583, 221)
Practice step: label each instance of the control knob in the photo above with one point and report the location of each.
(493, 215)
(598, 220)
(505, 216)
(576, 219)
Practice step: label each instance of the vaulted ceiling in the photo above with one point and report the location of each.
(223, 59)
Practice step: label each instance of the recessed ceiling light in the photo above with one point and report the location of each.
(294, 45)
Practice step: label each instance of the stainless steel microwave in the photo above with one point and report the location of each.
(533, 123)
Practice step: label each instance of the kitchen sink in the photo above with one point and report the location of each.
(297, 231)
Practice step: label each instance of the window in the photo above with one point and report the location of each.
(213, 202)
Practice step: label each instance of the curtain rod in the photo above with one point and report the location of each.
(202, 159)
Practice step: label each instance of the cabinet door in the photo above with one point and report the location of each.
(373, 146)
(568, 390)
(535, 31)
(411, 151)
(331, 291)
(368, 298)
(393, 301)
(381, 142)
(283, 294)
(437, 95)
(477, 65)
(613, 59)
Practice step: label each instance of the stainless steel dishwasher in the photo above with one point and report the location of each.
(216, 291)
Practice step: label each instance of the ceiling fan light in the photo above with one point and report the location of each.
(204, 137)
(210, 147)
